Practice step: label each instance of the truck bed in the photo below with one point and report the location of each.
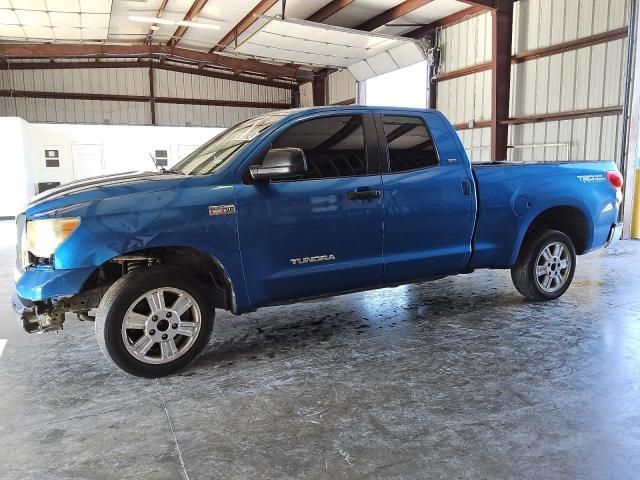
(510, 195)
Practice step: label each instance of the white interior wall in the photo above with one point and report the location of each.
(121, 149)
(17, 173)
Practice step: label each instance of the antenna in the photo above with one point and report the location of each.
(155, 163)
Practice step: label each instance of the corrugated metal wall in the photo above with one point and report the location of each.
(306, 95)
(341, 87)
(591, 77)
(132, 81)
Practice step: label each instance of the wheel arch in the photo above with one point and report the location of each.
(568, 219)
(207, 268)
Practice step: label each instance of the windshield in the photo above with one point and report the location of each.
(214, 154)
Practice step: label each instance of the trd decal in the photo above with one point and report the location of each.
(215, 210)
(591, 178)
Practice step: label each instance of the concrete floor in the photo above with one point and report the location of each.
(458, 378)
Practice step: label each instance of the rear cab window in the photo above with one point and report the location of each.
(410, 145)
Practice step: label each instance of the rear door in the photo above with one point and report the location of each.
(428, 198)
(321, 233)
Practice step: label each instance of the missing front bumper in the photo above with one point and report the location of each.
(33, 321)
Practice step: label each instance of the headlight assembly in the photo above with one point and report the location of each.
(45, 236)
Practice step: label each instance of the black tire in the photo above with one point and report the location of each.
(122, 295)
(523, 273)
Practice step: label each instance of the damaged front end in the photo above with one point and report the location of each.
(49, 315)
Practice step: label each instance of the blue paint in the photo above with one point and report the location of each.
(421, 226)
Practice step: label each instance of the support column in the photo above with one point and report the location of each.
(319, 85)
(629, 162)
(295, 97)
(152, 96)
(501, 78)
(432, 100)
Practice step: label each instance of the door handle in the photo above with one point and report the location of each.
(364, 194)
(466, 187)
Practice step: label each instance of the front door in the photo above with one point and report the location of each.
(429, 203)
(320, 233)
(87, 160)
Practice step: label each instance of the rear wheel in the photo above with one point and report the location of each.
(155, 321)
(545, 267)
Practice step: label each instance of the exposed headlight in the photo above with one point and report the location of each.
(45, 236)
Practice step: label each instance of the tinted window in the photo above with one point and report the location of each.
(409, 142)
(334, 146)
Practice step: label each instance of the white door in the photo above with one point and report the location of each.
(184, 150)
(87, 160)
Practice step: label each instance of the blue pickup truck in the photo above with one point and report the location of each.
(294, 205)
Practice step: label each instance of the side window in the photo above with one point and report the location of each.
(334, 146)
(409, 142)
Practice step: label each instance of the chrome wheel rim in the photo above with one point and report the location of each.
(161, 325)
(553, 266)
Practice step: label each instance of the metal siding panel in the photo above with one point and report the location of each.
(568, 88)
(486, 111)
(557, 22)
(18, 79)
(468, 94)
(541, 96)
(111, 78)
(19, 107)
(545, 20)
(552, 153)
(597, 76)
(531, 16)
(160, 83)
(609, 138)
(613, 70)
(592, 138)
(601, 12)
(622, 72)
(30, 108)
(470, 39)
(458, 100)
(586, 18)
(583, 67)
(618, 10)
(555, 83)
(477, 98)
(572, 10)
(443, 98)
(525, 93)
(618, 144)
(539, 138)
(578, 139)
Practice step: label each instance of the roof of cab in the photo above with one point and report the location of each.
(364, 108)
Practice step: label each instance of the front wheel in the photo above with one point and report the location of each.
(153, 322)
(545, 267)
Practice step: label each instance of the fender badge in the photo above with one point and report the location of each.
(215, 210)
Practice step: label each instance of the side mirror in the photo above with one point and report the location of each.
(280, 163)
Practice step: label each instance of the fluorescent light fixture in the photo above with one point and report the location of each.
(209, 26)
(162, 21)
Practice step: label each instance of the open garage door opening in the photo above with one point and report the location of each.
(405, 87)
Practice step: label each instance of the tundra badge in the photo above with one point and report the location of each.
(319, 258)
